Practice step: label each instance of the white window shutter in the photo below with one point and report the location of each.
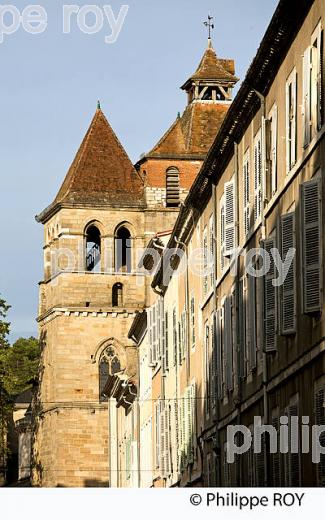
(230, 218)
(311, 220)
(288, 289)
(162, 442)
(222, 236)
(167, 440)
(294, 119)
(150, 329)
(270, 302)
(257, 176)
(320, 79)
(246, 173)
(205, 261)
(212, 250)
(306, 108)
(274, 149)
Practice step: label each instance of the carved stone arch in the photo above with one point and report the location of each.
(106, 344)
(125, 224)
(93, 222)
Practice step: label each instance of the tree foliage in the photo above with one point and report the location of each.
(18, 366)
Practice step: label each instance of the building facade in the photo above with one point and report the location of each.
(234, 335)
(104, 215)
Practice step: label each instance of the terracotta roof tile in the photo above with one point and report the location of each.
(211, 68)
(193, 133)
(101, 172)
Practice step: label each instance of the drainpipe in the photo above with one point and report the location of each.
(265, 367)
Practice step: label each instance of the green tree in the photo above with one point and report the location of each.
(18, 366)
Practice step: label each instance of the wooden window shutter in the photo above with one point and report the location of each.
(212, 250)
(294, 458)
(207, 369)
(162, 443)
(306, 107)
(275, 457)
(193, 336)
(257, 176)
(219, 345)
(222, 236)
(320, 421)
(184, 431)
(172, 187)
(213, 365)
(174, 337)
(252, 339)
(205, 261)
(157, 432)
(228, 344)
(246, 184)
(177, 433)
(150, 329)
(294, 119)
(288, 289)
(270, 302)
(154, 333)
(320, 78)
(167, 440)
(230, 218)
(166, 341)
(311, 224)
(179, 328)
(274, 149)
(241, 322)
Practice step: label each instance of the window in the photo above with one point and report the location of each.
(92, 249)
(312, 86)
(251, 322)
(117, 295)
(109, 364)
(311, 243)
(291, 120)
(246, 172)
(271, 152)
(175, 336)
(257, 176)
(123, 250)
(172, 187)
(155, 315)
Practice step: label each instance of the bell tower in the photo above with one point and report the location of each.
(88, 299)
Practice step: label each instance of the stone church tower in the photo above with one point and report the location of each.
(104, 213)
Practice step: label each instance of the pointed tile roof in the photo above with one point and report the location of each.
(101, 172)
(212, 68)
(193, 133)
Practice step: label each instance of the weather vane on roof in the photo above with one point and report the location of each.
(209, 24)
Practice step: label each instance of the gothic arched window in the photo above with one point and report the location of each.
(172, 187)
(109, 364)
(123, 250)
(117, 295)
(93, 249)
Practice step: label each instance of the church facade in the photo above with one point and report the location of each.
(104, 215)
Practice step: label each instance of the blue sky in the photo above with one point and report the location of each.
(49, 87)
